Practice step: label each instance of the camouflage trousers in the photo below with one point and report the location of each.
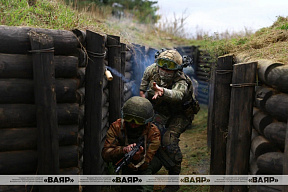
(170, 140)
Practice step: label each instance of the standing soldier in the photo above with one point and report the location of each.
(171, 93)
(124, 133)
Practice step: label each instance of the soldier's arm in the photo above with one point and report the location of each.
(176, 93)
(145, 79)
(112, 150)
(154, 139)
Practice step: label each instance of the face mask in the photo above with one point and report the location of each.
(166, 76)
(134, 133)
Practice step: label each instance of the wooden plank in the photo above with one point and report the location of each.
(264, 67)
(15, 40)
(271, 163)
(277, 106)
(123, 69)
(20, 66)
(263, 93)
(203, 69)
(261, 145)
(219, 117)
(12, 161)
(116, 86)
(25, 138)
(202, 78)
(278, 78)
(81, 76)
(10, 89)
(93, 102)
(261, 120)
(45, 101)
(204, 66)
(195, 57)
(240, 127)
(210, 86)
(24, 115)
(276, 132)
(205, 74)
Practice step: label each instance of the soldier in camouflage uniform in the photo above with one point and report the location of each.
(165, 85)
(137, 114)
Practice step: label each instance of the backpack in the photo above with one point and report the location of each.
(191, 105)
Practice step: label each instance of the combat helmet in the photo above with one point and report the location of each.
(170, 60)
(138, 109)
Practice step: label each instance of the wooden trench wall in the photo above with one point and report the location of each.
(53, 89)
(200, 71)
(247, 120)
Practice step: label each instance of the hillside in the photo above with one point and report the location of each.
(267, 43)
(55, 14)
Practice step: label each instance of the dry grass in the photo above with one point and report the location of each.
(265, 44)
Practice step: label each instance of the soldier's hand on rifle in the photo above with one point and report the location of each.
(138, 155)
(128, 148)
(158, 91)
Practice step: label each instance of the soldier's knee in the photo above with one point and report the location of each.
(170, 138)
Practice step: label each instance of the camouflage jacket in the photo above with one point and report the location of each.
(174, 93)
(116, 140)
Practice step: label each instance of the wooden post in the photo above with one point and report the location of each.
(219, 117)
(15, 40)
(93, 105)
(45, 101)
(195, 56)
(123, 63)
(210, 105)
(20, 66)
(115, 88)
(285, 162)
(240, 122)
(278, 77)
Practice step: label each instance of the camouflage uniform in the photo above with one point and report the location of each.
(117, 138)
(170, 117)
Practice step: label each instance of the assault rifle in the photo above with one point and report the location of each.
(128, 156)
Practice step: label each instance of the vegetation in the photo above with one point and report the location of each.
(136, 27)
(269, 42)
(143, 10)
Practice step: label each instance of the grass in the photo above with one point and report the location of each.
(266, 43)
(45, 14)
(55, 14)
